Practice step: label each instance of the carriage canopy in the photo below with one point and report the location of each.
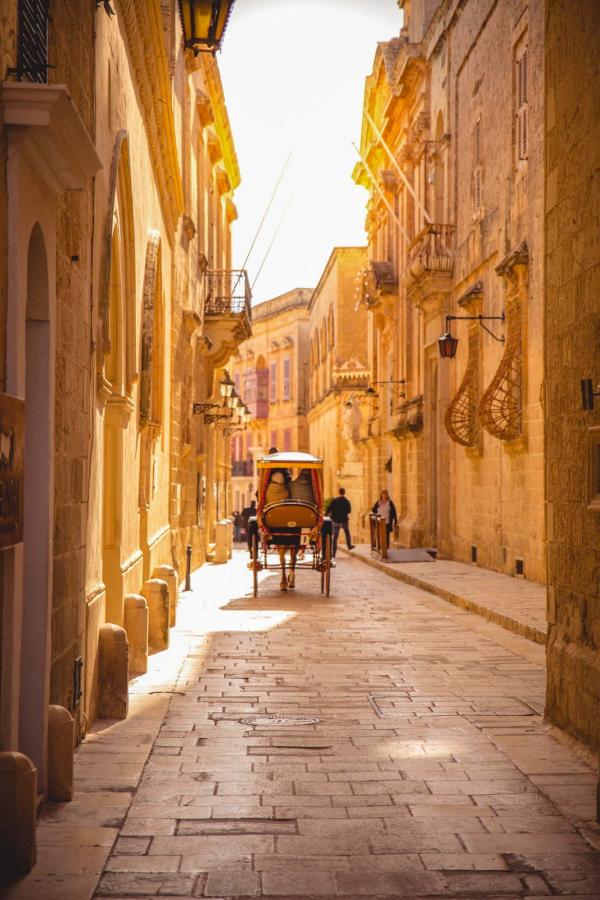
(290, 459)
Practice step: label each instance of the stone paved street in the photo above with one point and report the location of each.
(429, 773)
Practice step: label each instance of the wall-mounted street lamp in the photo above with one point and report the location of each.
(448, 343)
(371, 392)
(226, 391)
(588, 394)
(204, 23)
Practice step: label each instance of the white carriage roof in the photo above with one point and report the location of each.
(290, 459)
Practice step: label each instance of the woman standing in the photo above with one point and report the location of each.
(386, 509)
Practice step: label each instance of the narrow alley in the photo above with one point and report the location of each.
(409, 757)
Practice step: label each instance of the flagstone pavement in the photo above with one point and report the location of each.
(429, 773)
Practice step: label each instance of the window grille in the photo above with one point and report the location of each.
(521, 104)
(32, 59)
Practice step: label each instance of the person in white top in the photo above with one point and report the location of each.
(385, 508)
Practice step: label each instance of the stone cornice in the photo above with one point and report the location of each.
(221, 122)
(143, 24)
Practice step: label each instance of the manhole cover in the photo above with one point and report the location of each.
(270, 719)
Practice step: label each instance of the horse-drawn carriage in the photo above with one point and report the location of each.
(290, 517)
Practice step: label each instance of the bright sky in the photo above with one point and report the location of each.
(293, 73)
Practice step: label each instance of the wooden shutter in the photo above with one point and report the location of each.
(33, 40)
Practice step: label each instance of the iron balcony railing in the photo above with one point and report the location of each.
(227, 293)
(433, 248)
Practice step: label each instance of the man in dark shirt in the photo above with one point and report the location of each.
(339, 509)
(247, 513)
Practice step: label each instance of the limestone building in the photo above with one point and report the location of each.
(452, 157)
(118, 312)
(339, 376)
(271, 373)
(572, 335)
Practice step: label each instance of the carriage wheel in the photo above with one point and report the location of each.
(326, 565)
(254, 554)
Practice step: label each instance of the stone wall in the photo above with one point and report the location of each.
(71, 53)
(572, 338)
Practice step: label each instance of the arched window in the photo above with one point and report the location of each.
(117, 301)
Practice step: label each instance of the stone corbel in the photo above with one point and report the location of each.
(204, 344)
(44, 121)
(189, 228)
(191, 322)
(204, 108)
(514, 268)
(214, 146)
(223, 182)
(472, 299)
(389, 181)
(230, 210)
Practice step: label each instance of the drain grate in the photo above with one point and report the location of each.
(271, 719)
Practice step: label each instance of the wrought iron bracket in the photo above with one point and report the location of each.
(481, 320)
(198, 408)
(399, 394)
(213, 418)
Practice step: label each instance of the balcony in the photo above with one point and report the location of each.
(430, 263)
(242, 467)
(227, 311)
(379, 280)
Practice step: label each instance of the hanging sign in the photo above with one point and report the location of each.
(12, 451)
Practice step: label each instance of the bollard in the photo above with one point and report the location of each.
(18, 814)
(222, 537)
(168, 574)
(156, 592)
(188, 567)
(61, 743)
(136, 626)
(113, 691)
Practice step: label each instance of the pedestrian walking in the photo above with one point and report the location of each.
(385, 508)
(339, 509)
(247, 513)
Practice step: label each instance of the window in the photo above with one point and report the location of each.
(521, 102)
(477, 172)
(287, 387)
(273, 382)
(32, 61)
(273, 439)
(287, 439)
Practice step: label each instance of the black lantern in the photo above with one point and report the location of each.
(204, 23)
(447, 344)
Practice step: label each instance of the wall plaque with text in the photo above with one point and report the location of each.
(12, 451)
